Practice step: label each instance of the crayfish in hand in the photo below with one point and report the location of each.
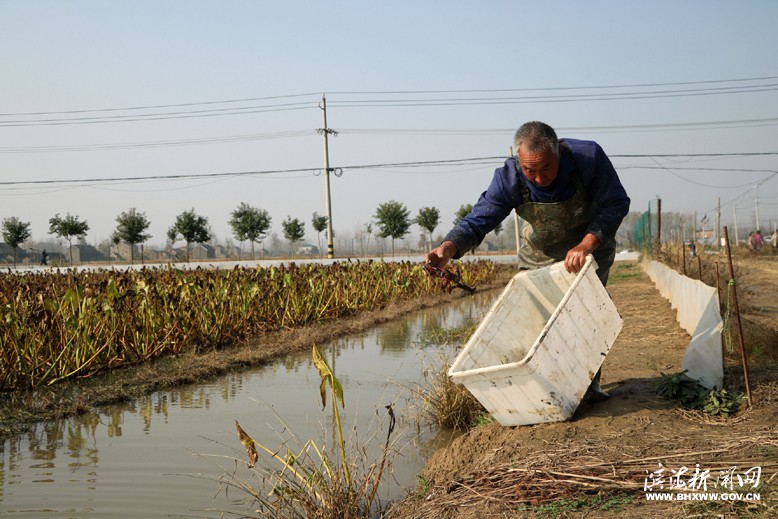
(449, 278)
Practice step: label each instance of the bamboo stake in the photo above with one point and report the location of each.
(718, 291)
(737, 314)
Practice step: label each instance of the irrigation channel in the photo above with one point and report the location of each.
(162, 456)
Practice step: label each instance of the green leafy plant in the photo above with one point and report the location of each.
(722, 402)
(682, 387)
(328, 378)
(692, 394)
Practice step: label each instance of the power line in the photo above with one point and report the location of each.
(486, 98)
(159, 116)
(748, 191)
(665, 168)
(157, 144)
(744, 154)
(491, 131)
(153, 177)
(411, 164)
(550, 98)
(384, 92)
(371, 131)
(693, 168)
(155, 107)
(629, 85)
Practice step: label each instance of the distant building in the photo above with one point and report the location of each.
(307, 249)
(6, 253)
(198, 251)
(226, 252)
(83, 253)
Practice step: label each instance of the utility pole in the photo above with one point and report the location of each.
(658, 223)
(718, 222)
(756, 205)
(325, 132)
(734, 218)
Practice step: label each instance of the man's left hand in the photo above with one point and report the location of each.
(576, 257)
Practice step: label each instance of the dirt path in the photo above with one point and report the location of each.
(476, 475)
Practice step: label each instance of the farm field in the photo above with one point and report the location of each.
(78, 340)
(630, 433)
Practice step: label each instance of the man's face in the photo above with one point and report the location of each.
(540, 168)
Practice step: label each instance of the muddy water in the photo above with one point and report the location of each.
(163, 455)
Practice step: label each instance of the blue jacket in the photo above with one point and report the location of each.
(503, 195)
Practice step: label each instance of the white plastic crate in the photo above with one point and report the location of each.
(537, 350)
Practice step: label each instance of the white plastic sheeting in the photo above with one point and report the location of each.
(698, 314)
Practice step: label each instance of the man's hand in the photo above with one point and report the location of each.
(576, 257)
(439, 256)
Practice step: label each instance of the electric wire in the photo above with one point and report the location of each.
(156, 107)
(157, 144)
(490, 99)
(545, 99)
(152, 117)
(580, 87)
(412, 164)
(365, 131)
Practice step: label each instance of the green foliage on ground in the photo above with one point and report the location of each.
(692, 394)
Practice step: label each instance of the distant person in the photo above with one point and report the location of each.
(44, 257)
(569, 193)
(774, 239)
(759, 239)
(692, 248)
(752, 241)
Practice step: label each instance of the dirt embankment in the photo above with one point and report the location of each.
(596, 464)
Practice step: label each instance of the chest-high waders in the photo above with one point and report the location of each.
(551, 229)
(554, 228)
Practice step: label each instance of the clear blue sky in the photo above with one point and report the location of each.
(98, 59)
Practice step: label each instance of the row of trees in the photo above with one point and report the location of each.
(248, 223)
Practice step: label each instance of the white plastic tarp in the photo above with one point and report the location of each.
(699, 315)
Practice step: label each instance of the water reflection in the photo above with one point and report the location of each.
(135, 459)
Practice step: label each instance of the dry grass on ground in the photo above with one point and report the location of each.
(596, 464)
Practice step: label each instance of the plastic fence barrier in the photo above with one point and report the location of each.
(699, 314)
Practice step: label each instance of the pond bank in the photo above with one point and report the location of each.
(596, 464)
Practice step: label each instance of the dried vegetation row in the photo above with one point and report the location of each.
(55, 326)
